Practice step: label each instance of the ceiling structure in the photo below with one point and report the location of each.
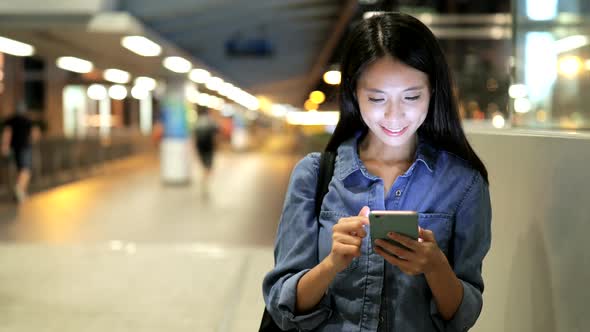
(275, 48)
(281, 47)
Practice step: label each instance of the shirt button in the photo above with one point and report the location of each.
(398, 193)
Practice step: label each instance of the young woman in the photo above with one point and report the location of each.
(400, 146)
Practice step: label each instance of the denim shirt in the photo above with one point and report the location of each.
(370, 294)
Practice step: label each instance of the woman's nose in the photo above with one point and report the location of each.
(394, 112)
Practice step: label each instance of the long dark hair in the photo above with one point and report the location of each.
(408, 40)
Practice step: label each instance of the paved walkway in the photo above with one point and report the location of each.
(123, 252)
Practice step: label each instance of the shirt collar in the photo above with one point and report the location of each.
(348, 160)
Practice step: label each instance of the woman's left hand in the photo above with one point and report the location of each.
(424, 255)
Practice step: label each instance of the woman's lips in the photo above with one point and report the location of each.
(394, 132)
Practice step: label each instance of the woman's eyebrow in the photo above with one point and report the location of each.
(413, 88)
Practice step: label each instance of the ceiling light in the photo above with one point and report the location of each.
(96, 92)
(332, 77)
(146, 83)
(214, 83)
(117, 92)
(116, 76)
(177, 64)
(199, 75)
(76, 65)
(14, 47)
(141, 45)
(139, 92)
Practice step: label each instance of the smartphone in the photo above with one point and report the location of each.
(402, 222)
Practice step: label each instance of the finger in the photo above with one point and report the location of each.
(427, 235)
(347, 250)
(364, 211)
(404, 240)
(350, 227)
(362, 219)
(347, 239)
(401, 263)
(394, 249)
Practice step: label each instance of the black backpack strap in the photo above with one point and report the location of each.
(327, 162)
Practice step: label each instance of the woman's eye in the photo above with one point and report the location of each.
(376, 100)
(413, 97)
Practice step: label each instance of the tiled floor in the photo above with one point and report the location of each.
(122, 252)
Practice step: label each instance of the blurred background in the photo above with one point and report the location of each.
(118, 225)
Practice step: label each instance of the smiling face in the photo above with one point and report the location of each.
(393, 99)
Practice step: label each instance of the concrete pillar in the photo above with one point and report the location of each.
(13, 82)
(55, 81)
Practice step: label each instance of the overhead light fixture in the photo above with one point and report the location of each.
(138, 92)
(74, 64)
(147, 83)
(226, 89)
(116, 76)
(177, 64)
(214, 83)
(96, 92)
(14, 47)
(117, 92)
(141, 45)
(570, 43)
(199, 75)
(332, 77)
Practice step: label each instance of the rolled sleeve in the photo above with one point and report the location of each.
(466, 314)
(472, 239)
(296, 251)
(286, 305)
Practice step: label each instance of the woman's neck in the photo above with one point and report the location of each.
(371, 148)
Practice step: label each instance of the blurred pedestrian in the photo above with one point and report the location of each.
(206, 130)
(18, 135)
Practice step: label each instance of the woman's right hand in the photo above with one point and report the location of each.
(347, 237)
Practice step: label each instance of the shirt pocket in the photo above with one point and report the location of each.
(327, 220)
(440, 225)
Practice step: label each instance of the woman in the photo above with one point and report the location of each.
(400, 146)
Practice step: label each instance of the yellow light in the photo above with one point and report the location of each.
(569, 66)
(310, 105)
(317, 97)
(332, 77)
(541, 116)
(265, 104)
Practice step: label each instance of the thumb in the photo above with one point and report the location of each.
(426, 235)
(364, 211)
